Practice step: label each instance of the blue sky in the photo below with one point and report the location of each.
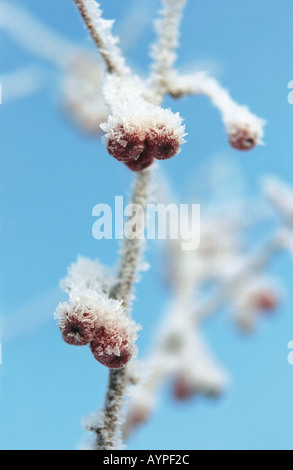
(51, 178)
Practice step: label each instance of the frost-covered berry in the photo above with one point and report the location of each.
(77, 326)
(163, 143)
(138, 132)
(125, 145)
(242, 139)
(114, 342)
(110, 350)
(144, 161)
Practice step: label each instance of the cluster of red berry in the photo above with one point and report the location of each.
(110, 341)
(138, 150)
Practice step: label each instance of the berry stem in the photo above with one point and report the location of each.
(108, 432)
(133, 247)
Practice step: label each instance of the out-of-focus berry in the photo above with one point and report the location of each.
(266, 301)
(182, 389)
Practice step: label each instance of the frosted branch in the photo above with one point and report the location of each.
(108, 433)
(235, 116)
(132, 250)
(164, 50)
(101, 32)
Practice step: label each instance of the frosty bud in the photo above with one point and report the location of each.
(242, 139)
(126, 146)
(144, 161)
(114, 342)
(163, 143)
(76, 325)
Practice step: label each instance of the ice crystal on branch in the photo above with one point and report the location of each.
(101, 32)
(86, 274)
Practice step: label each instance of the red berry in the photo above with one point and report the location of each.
(77, 328)
(127, 146)
(138, 415)
(162, 143)
(112, 347)
(182, 389)
(143, 161)
(266, 300)
(242, 140)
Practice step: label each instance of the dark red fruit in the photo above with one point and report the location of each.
(242, 140)
(78, 329)
(162, 144)
(127, 147)
(111, 348)
(144, 161)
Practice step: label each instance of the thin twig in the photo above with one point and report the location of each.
(100, 31)
(163, 51)
(132, 248)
